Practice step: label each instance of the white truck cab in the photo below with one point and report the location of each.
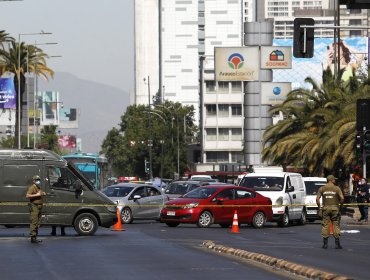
(312, 186)
(286, 190)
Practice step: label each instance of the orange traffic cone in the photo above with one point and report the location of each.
(331, 228)
(235, 226)
(118, 226)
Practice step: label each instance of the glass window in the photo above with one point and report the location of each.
(237, 157)
(236, 109)
(211, 134)
(223, 110)
(217, 156)
(223, 134)
(211, 110)
(61, 178)
(223, 87)
(236, 87)
(236, 134)
(210, 86)
(139, 191)
(244, 194)
(152, 191)
(226, 194)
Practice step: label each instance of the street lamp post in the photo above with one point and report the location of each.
(19, 107)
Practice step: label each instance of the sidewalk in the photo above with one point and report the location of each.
(350, 217)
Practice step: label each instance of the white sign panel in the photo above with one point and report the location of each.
(276, 57)
(274, 93)
(237, 64)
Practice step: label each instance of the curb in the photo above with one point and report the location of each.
(276, 263)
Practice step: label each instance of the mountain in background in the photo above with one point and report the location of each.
(101, 107)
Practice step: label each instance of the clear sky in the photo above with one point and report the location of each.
(95, 38)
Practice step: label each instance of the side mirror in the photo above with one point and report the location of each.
(136, 197)
(290, 189)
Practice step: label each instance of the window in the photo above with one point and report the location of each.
(236, 109)
(223, 87)
(62, 178)
(152, 191)
(223, 134)
(244, 194)
(237, 157)
(211, 134)
(236, 87)
(223, 110)
(217, 156)
(211, 110)
(226, 194)
(210, 86)
(236, 134)
(139, 191)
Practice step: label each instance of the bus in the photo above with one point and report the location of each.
(93, 166)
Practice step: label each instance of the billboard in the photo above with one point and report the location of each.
(274, 93)
(68, 118)
(276, 57)
(67, 141)
(354, 54)
(237, 64)
(7, 94)
(48, 103)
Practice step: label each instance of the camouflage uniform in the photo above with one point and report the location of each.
(332, 197)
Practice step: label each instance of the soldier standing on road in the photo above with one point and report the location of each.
(34, 193)
(332, 197)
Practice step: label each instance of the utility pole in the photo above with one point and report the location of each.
(150, 141)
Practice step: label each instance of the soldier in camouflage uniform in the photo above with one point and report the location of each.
(332, 197)
(34, 193)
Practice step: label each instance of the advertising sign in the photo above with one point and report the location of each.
(274, 93)
(68, 118)
(67, 141)
(7, 94)
(276, 57)
(49, 104)
(237, 64)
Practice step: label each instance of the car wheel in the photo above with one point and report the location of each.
(126, 216)
(258, 220)
(205, 219)
(285, 220)
(302, 220)
(225, 225)
(86, 224)
(172, 224)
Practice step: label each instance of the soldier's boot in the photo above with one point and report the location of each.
(325, 243)
(35, 240)
(337, 244)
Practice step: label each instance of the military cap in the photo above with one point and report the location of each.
(331, 178)
(36, 177)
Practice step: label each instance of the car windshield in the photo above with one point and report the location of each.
(313, 186)
(177, 188)
(263, 183)
(201, 193)
(117, 191)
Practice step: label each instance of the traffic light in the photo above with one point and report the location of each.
(366, 141)
(359, 143)
(147, 167)
(303, 45)
(363, 114)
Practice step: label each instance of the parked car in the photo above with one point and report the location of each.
(137, 201)
(312, 186)
(215, 204)
(179, 188)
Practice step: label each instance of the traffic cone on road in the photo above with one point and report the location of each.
(235, 226)
(118, 226)
(331, 228)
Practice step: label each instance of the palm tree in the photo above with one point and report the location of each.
(4, 37)
(32, 58)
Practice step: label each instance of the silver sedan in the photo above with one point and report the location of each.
(137, 201)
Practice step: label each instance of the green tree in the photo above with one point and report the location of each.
(171, 128)
(49, 138)
(31, 58)
(318, 130)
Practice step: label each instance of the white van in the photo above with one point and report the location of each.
(312, 186)
(286, 190)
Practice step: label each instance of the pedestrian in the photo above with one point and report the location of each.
(332, 198)
(363, 198)
(54, 231)
(35, 194)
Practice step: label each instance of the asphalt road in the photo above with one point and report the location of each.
(151, 250)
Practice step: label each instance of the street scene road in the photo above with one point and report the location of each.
(151, 250)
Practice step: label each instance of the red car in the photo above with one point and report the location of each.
(215, 204)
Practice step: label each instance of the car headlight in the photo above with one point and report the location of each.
(279, 201)
(112, 209)
(191, 205)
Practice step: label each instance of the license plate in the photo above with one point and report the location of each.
(311, 211)
(171, 213)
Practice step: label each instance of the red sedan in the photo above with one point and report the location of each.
(211, 204)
